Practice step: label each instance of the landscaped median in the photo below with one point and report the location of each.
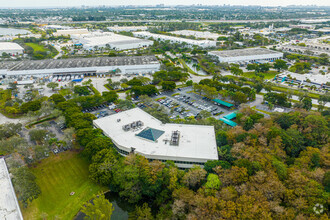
(58, 176)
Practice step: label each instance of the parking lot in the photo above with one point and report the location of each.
(185, 103)
(100, 111)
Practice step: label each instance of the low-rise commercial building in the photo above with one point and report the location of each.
(86, 66)
(70, 32)
(111, 40)
(247, 55)
(11, 48)
(199, 34)
(127, 28)
(190, 42)
(136, 131)
(9, 207)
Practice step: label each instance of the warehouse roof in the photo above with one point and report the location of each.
(78, 63)
(243, 52)
(10, 46)
(199, 34)
(100, 39)
(9, 208)
(192, 141)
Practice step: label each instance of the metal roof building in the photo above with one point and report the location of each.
(136, 130)
(127, 28)
(246, 55)
(114, 41)
(162, 37)
(199, 34)
(128, 64)
(10, 48)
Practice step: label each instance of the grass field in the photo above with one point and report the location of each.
(57, 177)
(36, 47)
(267, 75)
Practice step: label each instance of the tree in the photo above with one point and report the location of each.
(194, 177)
(25, 185)
(264, 67)
(81, 90)
(212, 184)
(96, 145)
(52, 85)
(110, 96)
(236, 70)
(99, 209)
(125, 104)
(8, 130)
(168, 85)
(280, 65)
(38, 135)
(307, 103)
(204, 114)
(239, 97)
(31, 106)
(189, 83)
(142, 213)
(57, 98)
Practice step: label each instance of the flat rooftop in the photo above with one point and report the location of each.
(171, 38)
(77, 63)
(123, 28)
(10, 46)
(95, 39)
(199, 34)
(9, 208)
(195, 141)
(243, 52)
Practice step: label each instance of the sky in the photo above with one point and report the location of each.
(66, 3)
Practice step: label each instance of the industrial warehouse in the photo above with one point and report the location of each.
(86, 66)
(199, 34)
(136, 131)
(247, 55)
(128, 28)
(111, 40)
(10, 48)
(190, 42)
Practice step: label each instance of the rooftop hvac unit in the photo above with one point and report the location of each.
(139, 123)
(126, 127)
(133, 125)
(175, 137)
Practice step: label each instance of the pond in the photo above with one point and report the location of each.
(200, 71)
(122, 207)
(12, 31)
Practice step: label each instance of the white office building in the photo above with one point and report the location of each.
(136, 131)
(190, 42)
(199, 34)
(247, 55)
(11, 48)
(69, 32)
(108, 39)
(127, 28)
(9, 207)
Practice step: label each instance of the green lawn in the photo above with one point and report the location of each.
(57, 177)
(36, 47)
(267, 75)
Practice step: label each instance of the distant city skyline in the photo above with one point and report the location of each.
(66, 3)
